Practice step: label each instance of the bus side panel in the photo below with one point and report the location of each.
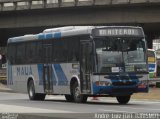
(38, 78)
(18, 76)
(63, 73)
(10, 81)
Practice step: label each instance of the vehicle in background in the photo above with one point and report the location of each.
(153, 67)
(152, 63)
(78, 62)
(3, 69)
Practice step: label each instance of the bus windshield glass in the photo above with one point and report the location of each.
(120, 55)
(151, 56)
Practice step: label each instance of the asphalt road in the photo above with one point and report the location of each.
(57, 107)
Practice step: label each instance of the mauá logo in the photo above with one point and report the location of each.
(24, 70)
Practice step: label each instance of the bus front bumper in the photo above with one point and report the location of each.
(118, 90)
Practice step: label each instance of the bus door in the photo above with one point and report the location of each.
(85, 66)
(47, 68)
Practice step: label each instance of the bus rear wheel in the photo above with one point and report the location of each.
(78, 97)
(123, 99)
(32, 94)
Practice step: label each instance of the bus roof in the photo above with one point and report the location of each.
(151, 50)
(67, 28)
(62, 32)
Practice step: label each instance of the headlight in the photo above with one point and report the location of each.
(103, 83)
(142, 84)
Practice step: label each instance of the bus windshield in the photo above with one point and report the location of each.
(120, 55)
(152, 64)
(151, 56)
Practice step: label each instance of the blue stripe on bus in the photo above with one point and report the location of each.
(49, 36)
(57, 35)
(62, 80)
(41, 36)
(40, 73)
(53, 76)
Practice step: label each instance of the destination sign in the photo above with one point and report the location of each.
(117, 32)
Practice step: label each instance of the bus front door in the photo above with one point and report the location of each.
(47, 68)
(85, 66)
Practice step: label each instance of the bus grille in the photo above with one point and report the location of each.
(123, 83)
(124, 90)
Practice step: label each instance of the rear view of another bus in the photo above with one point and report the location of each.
(152, 65)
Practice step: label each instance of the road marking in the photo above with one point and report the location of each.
(131, 101)
(146, 101)
(115, 111)
(22, 109)
(138, 108)
(129, 108)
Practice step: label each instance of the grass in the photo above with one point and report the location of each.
(154, 94)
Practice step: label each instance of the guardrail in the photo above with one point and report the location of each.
(3, 75)
(6, 5)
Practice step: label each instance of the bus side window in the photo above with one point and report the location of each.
(11, 53)
(31, 52)
(20, 53)
(39, 51)
(73, 50)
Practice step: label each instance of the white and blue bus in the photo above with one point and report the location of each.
(79, 62)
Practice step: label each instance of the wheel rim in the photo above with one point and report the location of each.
(31, 89)
(77, 93)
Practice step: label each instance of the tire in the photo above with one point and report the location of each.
(31, 92)
(69, 98)
(40, 96)
(123, 99)
(78, 97)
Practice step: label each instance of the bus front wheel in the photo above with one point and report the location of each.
(123, 99)
(78, 97)
(32, 94)
(69, 98)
